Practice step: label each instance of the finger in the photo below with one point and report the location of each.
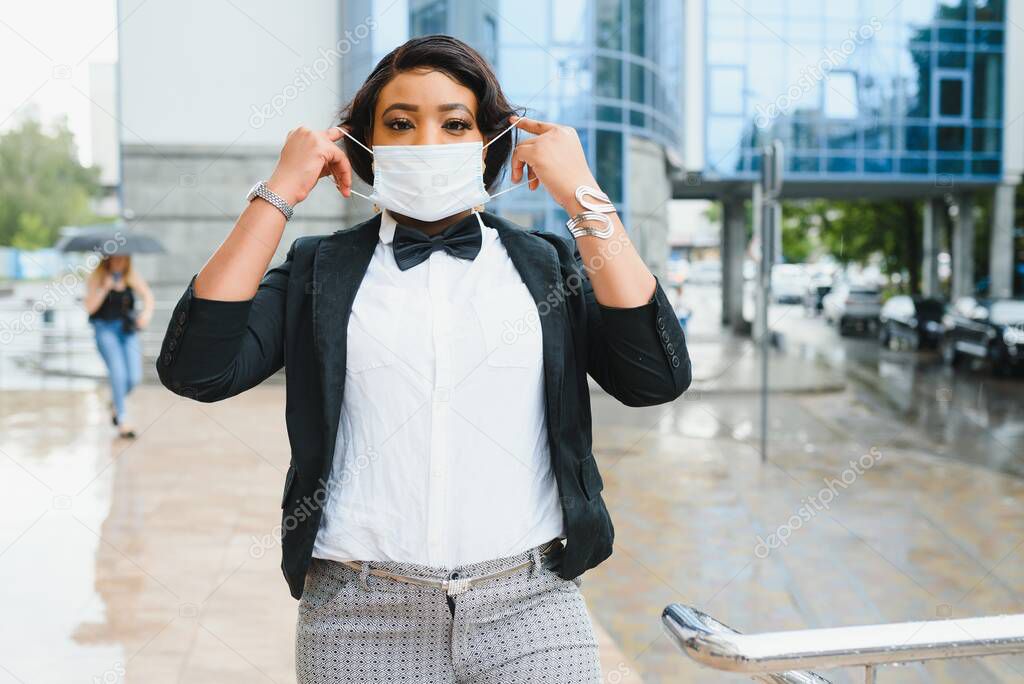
(521, 156)
(335, 133)
(342, 172)
(330, 154)
(531, 125)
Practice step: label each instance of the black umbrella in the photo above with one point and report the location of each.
(109, 242)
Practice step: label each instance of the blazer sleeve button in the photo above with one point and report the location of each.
(181, 318)
(167, 358)
(675, 361)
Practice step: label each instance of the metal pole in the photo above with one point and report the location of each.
(765, 299)
(770, 188)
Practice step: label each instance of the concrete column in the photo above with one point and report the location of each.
(935, 218)
(963, 247)
(1002, 255)
(734, 246)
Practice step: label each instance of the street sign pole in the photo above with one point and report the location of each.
(771, 209)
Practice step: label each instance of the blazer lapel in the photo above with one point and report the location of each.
(538, 266)
(338, 268)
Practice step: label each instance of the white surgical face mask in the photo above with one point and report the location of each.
(429, 182)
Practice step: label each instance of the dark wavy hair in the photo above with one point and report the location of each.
(459, 61)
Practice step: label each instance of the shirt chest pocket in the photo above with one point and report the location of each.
(510, 326)
(375, 328)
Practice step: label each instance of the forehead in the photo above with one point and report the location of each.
(425, 89)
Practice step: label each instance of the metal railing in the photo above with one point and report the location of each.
(784, 657)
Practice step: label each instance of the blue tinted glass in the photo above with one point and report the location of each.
(872, 87)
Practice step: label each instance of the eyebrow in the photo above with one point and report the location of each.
(415, 108)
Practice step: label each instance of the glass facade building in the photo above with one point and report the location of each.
(871, 90)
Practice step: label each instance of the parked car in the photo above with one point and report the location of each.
(990, 329)
(789, 283)
(705, 273)
(852, 307)
(912, 321)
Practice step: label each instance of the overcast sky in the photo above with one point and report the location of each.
(46, 47)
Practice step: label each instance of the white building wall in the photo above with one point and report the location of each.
(221, 73)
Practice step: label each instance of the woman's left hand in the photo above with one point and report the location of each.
(142, 321)
(556, 157)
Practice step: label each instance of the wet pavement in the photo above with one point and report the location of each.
(892, 496)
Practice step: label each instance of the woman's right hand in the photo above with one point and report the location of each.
(308, 156)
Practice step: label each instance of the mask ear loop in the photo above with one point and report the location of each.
(513, 187)
(356, 192)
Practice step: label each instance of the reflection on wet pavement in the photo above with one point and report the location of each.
(157, 561)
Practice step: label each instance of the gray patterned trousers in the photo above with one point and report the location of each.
(530, 626)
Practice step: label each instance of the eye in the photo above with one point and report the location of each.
(457, 125)
(398, 124)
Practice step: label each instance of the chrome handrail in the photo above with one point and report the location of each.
(714, 645)
(698, 634)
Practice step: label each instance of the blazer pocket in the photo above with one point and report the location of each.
(289, 482)
(510, 326)
(590, 476)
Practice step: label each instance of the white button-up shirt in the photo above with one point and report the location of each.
(442, 455)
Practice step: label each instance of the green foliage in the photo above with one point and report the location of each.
(856, 231)
(43, 187)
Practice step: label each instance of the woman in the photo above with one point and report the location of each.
(110, 302)
(442, 499)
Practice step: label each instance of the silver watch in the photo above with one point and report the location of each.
(261, 190)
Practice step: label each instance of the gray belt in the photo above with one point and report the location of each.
(453, 586)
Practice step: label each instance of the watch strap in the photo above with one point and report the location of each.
(261, 190)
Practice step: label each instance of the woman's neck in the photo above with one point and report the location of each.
(430, 227)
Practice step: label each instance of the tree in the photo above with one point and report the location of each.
(855, 231)
(43, 187)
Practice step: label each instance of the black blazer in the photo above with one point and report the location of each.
(214, 350)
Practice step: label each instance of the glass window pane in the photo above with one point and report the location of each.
(987, 85)
(918, 138)
(841, 95)
(637, 83)
(637, 27)
(609, 163)
(914, 166)
(950, 138)
(568, 20)
(987, 140)
(726, 90)
(428, 16)
(609, 77)
(989, 10)
(951, 97)
(609, 24)
(605, 113)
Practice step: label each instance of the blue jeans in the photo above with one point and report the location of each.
(123, 357)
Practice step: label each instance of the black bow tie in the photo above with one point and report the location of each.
(462, 239)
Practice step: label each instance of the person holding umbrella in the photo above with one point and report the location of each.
(111, 290)
(110, 301)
